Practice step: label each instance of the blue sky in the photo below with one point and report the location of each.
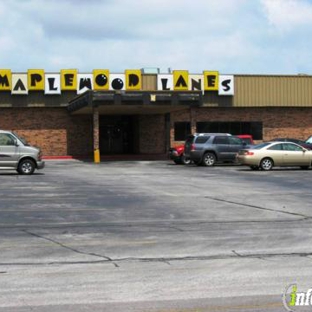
(231, 36)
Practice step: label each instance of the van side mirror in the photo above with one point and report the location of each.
(15, 142)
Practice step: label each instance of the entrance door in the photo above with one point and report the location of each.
(111, 139)
(117, 134)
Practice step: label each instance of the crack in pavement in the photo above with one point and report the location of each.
(167, 260)
(257, 207)
(70, 248)
(218, 257)
(242, 256)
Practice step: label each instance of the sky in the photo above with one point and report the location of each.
(230, 36)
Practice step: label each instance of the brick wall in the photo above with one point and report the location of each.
(277, 121)
(152, 134)
(54, 130)
(58, 133)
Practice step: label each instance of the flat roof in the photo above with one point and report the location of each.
(134, 102)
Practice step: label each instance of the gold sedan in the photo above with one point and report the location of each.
(267, 155)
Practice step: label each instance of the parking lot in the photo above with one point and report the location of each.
(153, 236)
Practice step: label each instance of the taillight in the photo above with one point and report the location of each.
(39, 155)
(193, 147)
(248, 153)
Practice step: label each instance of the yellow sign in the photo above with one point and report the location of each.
(211, 80)
(35, 79)
(180, 80)
(133, 79)
(100, 79)
(69, 79)
(5, 79)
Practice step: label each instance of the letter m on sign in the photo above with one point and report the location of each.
(5, 79)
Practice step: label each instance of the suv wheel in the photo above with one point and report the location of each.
(209, 159)
(266, 164)
(26, 166)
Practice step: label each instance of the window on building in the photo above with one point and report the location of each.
(207, 127)
(256, 130)
(252, 128)
(181, 130)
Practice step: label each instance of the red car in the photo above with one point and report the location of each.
(177, 155)
(247, 138)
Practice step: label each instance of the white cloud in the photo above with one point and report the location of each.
(288, 14)
(230, 36)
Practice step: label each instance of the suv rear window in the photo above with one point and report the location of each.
(202, 139)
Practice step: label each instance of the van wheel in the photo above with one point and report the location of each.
(26, 166)
(209, 159)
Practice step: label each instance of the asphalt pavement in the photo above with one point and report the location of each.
(154, 236)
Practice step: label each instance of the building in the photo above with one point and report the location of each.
(144, 112)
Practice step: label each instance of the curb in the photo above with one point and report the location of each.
(59, 158)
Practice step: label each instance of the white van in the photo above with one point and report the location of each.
(16, 153)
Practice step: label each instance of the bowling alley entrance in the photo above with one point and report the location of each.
(131, 123)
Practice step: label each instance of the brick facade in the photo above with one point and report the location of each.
(54, 130)
(59, 133)
(152, 134)
(277, 121)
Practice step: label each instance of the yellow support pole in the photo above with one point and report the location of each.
(97, 156)
(96, 135)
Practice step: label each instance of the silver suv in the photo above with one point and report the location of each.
(208, 148)
(16, 153)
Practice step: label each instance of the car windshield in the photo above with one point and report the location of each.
(21, 139)
(309, 140)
